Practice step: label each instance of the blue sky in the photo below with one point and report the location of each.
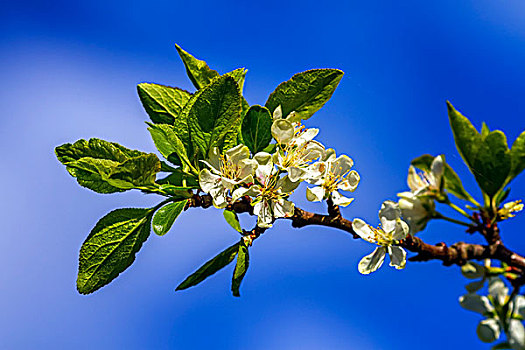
(70, 70)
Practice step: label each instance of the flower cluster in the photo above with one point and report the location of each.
(503, 314)
(270, 178)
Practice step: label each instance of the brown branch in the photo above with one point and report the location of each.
(455, 254)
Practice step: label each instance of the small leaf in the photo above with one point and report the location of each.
(256, 128)
(239, 75)
(94, 148)
(217, 263)
(215, 115)
(492, 163)
(243, 261)
(232, 220)
(180, 178)
(93, 162)
(306, 92)
(452, 182)
(111, 246)
(484, 130)
(466, 136)
(198, 71)
(166, 216)
(162, 103)
(517, 154)
(168, 143)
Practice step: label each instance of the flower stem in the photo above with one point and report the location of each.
(459, 210)
(438, 215)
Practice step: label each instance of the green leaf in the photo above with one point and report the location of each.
(106, 176)
(243, 261)
(217, 263)
(452, 182)
(492, 163)
(215, 115)
(484, 130)
(111, 246)
(168, 143)
(162, 103)
(517, 154)
(94, 148)
(198, 71)
(466, 136)
(232, 220)
(239, 75)
(166, 216)
(487, 155)
(181, 192)
(270, 148)
(256, 128)
(93, 163)
(178, 178)
(306, 92)
(135, 172)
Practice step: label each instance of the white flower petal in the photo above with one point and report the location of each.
(264, 214)
(519, 305)
(295, 174)
(437, 168)
(476, 303)
(414, 181)
(342, 164)
(516, 334)
(488, 330)
(398, 257)
(305, 136)
(350, 182)
(372, 262)
(363, 230)
(208, 181)
(401, 230)
(315, 194)
(238, 153)
(282, 208)
(278, 112)
(282, 131)
(498, 290)
(388, 215)
(339, 199)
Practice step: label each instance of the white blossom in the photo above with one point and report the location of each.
(427, 182)
(334, 175)
(417, 210)
(226, 171)
(391, 231)
(270, 192)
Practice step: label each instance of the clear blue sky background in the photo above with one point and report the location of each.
(69, 71)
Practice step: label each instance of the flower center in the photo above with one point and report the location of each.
(228, 168)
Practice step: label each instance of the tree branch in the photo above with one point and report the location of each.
(456, 254)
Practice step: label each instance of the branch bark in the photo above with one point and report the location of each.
(456, 254)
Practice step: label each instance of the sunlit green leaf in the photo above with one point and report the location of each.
(198, 71)
(166, 216)
(243, 261)
(256, 128)
(217, 263)
(111, 246)
(306, 92)
(232, 220)
(162, 103)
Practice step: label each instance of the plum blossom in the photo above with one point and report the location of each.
(334, 175)
(392, 230)
(226, 171)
